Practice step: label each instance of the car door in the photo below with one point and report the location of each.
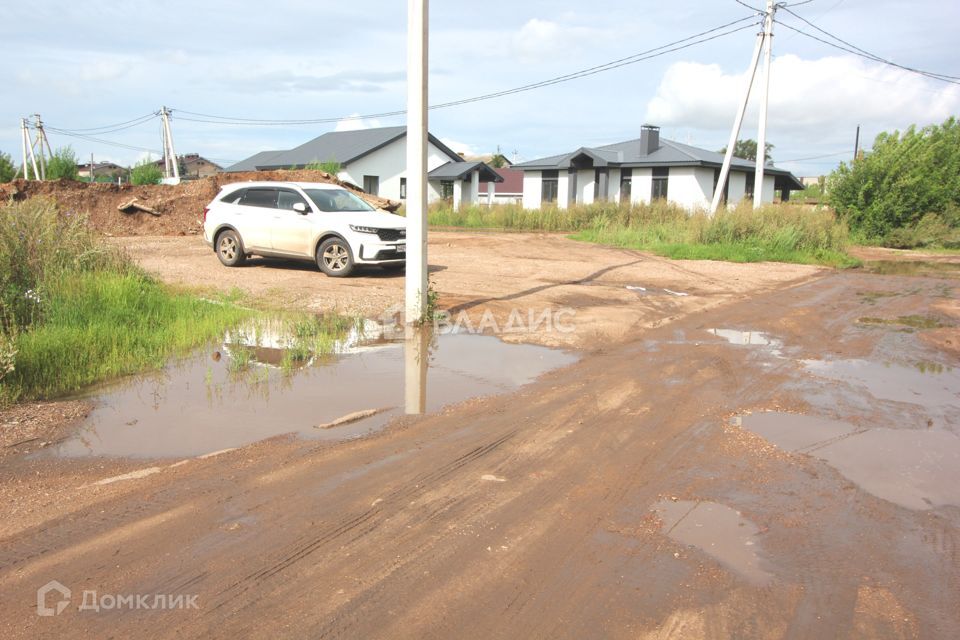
(291, 232)
(254, 217)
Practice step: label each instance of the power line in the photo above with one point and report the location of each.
(826, 155)
(678, 45)
(108, 128)
(851, 48)
(107, 142)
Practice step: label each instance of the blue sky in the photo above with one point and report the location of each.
(90, 64)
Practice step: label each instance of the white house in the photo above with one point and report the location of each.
(643, 170)
(376, 160)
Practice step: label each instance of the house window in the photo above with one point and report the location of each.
(371, 184)
(748, 188)
(550, 186)
(600, 190)
(403, 188)
(659, 189)
(726, 185)
(446, 189)
(626, 185)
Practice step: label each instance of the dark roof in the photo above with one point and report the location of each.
(512, 181)
(629, 154)
(339, 146)
(459, 170)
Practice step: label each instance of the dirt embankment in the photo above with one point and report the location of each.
(180, 206)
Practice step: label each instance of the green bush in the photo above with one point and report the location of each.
(62, 164)
(7, 168)
(905, 177)
(146, 172)
(330, 166)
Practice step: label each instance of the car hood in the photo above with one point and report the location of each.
(379, 219)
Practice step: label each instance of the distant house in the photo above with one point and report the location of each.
(193, 165)
(642, 170)
(376, 160)
(510, 191)
(101, 169)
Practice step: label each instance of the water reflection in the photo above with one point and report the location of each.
(416, 361)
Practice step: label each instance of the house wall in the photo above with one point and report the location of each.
(585, 180)
(642, 185)
(532, 189)
(613, 185)
(563, 190)
(690, 187)
(390, 164)
(736, 187)
(768, 190)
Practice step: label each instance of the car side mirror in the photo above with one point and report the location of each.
(300, 208)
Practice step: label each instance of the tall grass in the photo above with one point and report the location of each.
(74, 310)
(786, 233)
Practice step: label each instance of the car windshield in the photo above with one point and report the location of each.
(337, 200)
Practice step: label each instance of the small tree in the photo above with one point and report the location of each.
(7, 168)
(498, 161)
(62, 164)
(747, 149)
(145, 172)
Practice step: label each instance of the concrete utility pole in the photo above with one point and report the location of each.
(856, 144)
(171, 167)
(28, 146)
(91, 169)
(737, 123)
(41, 142)
(762, 132)
(416, 287)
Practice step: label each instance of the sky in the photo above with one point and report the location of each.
(84, 65)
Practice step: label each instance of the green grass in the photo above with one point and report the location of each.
(778, 233)
(102, 325)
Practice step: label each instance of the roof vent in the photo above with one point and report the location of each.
(649, 139)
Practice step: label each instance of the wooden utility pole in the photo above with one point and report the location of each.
(416, 286)
(856, 144)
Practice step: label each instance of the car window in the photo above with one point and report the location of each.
(287, 198)
(266, 198)
(234, 196)
(337, 200)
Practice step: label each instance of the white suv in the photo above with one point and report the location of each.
(303, 220)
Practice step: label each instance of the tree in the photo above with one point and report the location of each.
(747, 150)
(498, 161)
(7, 168)
(62, 164)
(146, 172)
(903, 178)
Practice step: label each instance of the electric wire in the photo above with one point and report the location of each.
(690, 41)
(851, 48)
(108, 128)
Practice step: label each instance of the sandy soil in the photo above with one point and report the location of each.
(540, 513)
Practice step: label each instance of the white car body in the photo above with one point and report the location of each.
(374, 237)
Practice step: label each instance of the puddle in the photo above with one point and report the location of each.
(916, 469)
(654, 291)
(717, 530)
(202, 404)
(930, 387)
(940, 269)
(750, 339)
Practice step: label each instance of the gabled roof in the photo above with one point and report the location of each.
(460, 170)
(629, 154)
(340, 146)
(512, 181)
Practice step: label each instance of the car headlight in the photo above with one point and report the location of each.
(362, 229)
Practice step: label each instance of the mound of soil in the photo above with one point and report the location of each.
(180, 206)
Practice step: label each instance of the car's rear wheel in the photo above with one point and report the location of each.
(230, 248)
(335, 258)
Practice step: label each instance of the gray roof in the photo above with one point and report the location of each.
(459, 170)
(339, 146)
(250, 164)
(669, 154)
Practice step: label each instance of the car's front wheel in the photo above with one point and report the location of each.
(335, 258)
(230, 248)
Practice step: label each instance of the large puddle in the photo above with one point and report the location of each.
(914, 468)
(717, 530)
(933, 387)
(934, 268)
(207, 403)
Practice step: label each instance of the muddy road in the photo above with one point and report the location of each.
(778, 464)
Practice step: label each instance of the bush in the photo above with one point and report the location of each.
(330, 166)
(146, 172)
(905, 177)
(62, 164)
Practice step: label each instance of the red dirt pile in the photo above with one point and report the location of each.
(180, 206)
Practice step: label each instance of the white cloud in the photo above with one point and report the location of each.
(806, 96)
(352, 124)
(539, 40)
(461, 147)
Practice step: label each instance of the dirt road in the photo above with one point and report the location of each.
(627, 495)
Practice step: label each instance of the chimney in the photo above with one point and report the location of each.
(649, 139)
